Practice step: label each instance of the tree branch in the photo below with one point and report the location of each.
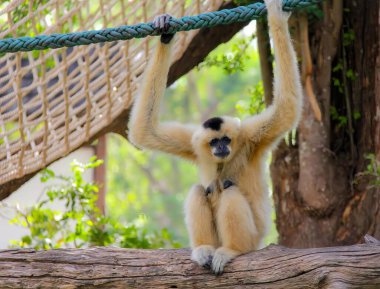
(273, 267)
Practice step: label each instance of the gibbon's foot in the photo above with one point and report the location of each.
(227, 184)
(221, 257)
(161, 23)
(215, 187)
(203, 255)
(211, 188)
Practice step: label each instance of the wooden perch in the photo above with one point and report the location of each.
(355, 266)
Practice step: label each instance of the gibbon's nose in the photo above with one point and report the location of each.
(222, 152)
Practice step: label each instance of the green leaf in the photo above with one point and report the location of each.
(356, 115)
(26, 240)
(46, 175)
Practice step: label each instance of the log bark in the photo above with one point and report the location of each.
(356, 266)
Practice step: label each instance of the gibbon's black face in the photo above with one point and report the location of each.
(219, 146)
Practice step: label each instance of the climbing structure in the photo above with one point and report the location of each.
(54, 101)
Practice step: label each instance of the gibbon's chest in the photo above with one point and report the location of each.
(230, 170)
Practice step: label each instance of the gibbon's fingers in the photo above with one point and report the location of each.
(273, 4)
(275, 10)
(161, 23)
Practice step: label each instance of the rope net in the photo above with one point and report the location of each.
(54, 101)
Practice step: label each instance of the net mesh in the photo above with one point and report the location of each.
(54, 101)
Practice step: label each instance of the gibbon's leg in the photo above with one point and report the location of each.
(200, 224)
(236, 228)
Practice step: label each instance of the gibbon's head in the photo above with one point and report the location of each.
(216, 138)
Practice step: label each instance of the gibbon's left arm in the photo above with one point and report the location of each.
(144, 127)
(265, 129)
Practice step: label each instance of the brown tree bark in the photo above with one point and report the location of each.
(266, 68)
(319, 197)
(273, 267)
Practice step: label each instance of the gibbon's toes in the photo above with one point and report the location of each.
(219, 261)
(227, 184)
(208, 263)
(221, 258)
(203, 255)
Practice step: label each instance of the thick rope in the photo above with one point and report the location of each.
(210, 19)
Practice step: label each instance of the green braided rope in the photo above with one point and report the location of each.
(210, 19)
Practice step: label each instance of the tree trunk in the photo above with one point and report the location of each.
(273, 267)
(320, 197)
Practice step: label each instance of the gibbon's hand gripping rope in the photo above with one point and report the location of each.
(210, 19)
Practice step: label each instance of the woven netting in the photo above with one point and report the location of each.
(53, 101)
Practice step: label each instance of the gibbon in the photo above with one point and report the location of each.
(228, 213)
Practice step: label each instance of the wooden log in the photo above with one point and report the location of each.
(356, 266)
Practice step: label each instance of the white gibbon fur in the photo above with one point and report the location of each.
(228, 213)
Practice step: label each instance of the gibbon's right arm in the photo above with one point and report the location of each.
(267, 128)
(144, 127)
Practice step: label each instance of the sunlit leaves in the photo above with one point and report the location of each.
(254, 104)
(372, 171)
(232, 60)
(79, 223)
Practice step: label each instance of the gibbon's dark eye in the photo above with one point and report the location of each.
(226, 140)
(214, 142)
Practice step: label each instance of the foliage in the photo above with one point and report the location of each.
(255, 103)
(314, 13)
(20, 12)
(340, 118)
(80, 223)
(341, 77)
(231, 61)
(147, 183)
(372, 171)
